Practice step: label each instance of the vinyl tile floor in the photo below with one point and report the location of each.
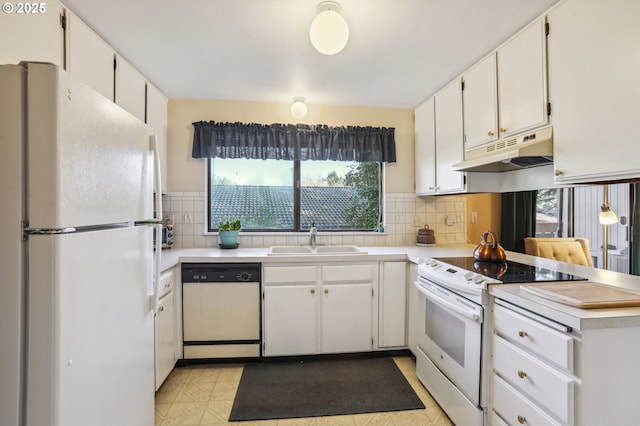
(203, 395)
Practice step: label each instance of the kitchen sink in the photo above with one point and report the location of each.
(338, 249)
(318, 250)
(290, 250)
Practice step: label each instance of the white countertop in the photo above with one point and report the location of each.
(579, 319)
(414, 254)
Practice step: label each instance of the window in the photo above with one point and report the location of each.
(282, 195)
(573, 212)
(548, 221)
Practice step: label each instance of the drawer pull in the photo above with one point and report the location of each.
(313, 290)
(522, 420)
(522, 374)
(522, 333)
(326, 291)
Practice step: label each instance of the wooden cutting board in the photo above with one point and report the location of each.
(586, 295)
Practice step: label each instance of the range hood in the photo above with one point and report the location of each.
(523, 151)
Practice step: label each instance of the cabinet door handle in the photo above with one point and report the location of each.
(522, 374)
(503, 129)
(522, 419)
(522, 333)
(557, 172)
(326, 291)
(161, 308)
(313, 291)
(490, 133)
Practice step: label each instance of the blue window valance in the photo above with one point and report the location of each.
(293, 142)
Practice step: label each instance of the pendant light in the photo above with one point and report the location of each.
(607, 217)
(298, 108)
(329, 31)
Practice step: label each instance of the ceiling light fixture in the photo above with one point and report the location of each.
(298, 108)
(329, 31)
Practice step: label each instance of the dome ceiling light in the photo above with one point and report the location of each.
(298, 108)
(329, 31)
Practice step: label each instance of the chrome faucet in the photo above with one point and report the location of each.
(312, 234)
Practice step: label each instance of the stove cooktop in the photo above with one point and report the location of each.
(509, 272)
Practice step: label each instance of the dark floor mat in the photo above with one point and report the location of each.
(280, 390)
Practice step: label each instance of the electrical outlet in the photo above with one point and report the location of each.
(474, 217)
(450, 220)
(186, 218)
(416, 221)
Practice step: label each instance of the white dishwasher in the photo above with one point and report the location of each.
(221, 310)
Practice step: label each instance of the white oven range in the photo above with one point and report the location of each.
(452, 357)
(451, 340)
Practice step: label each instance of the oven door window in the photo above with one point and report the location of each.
(446, 331)
(451, 337)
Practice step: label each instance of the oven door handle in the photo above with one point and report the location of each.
(467, 313)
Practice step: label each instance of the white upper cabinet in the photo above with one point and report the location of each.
(438, 142)
(522, 81)
(425, 147)
(130, 88)
(449, 144)
(34, 36)
(157, 104)
(594, 87)
(89, 58)
(480, 103)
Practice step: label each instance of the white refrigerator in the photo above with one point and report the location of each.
(77, 264)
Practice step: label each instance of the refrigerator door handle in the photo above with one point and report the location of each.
(157, 250)
(26, 231)
(157, 176)
(157, 222)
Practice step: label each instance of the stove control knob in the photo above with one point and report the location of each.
(478, 279)
(468, 276)
(433, 263)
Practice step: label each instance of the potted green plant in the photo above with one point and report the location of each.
(228, 231)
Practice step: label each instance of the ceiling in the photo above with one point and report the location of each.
(399, 52)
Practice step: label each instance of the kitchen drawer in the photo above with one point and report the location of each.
(496, 420)
(535, 379)
(289, 274)
(167, 283)
(516, 409)
(534, 336)
(348, 273)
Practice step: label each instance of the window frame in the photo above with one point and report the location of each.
(296, 187)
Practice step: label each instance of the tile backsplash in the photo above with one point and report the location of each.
(404, 214)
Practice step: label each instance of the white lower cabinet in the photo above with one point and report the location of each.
(314, 309)
(534, 378)
(392, 305)
(532, 369)
(290, 319)
(512, 407)
(412, 309)
(346, 313)
(547, 373)
(165, 327)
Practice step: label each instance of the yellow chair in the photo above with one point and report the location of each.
(570, 250)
